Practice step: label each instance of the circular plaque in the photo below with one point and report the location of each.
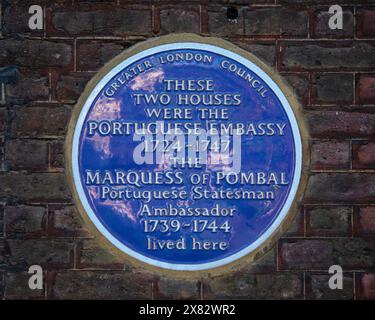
(185, 153)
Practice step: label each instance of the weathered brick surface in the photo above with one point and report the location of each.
(364, 221)
(176, 19)
(165, 288)
(366, 286)
(330, 154)
(320, 28)
(365, 25)
(364, 154)
(36, 151)
(317, 287)
(338, 124)
(366, 89)
(320, 254)
(104, 51)
(16, 287)
(40, 121)
(333, 88)
(25, 221)
(328, 221)
(341, 188)
(113, 285)
(328, 55)
(49, 254)
(107, 20)
(276, 22)
(35, 53)
(331, 73)
(34, 187)
(255, 286)
(64, 220)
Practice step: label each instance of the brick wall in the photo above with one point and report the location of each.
(44, 72)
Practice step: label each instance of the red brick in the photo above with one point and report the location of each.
(94, 256)
(366, 23)
(104, 52)
(363, 154)
(254, 286)
(98, 20)
(366, 286)
(299, 84)
(320, 254)
(56, 155)
(330, 155)
(34, 186)
(29, 86)
(46, 121)
(36, 151)
(364, 221)
(347, 188)
(70, 87)
(340, 124)
(327, 55)
(366, 89)
(65, 221)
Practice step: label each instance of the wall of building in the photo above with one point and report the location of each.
(43, 73)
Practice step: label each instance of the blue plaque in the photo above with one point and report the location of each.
(185, 154)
